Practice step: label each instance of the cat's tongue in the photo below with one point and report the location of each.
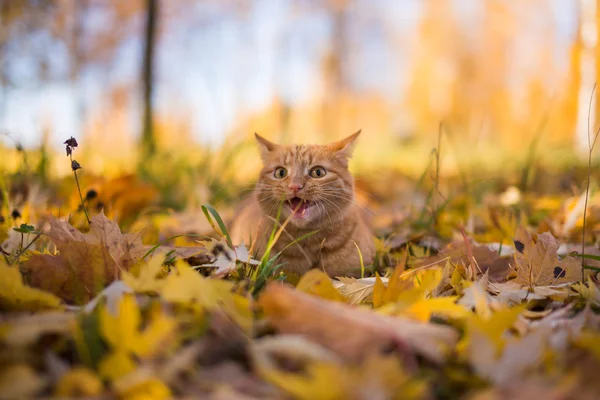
(298, 207)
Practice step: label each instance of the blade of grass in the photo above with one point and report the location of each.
(591, 146)
(362, 263)
(209, 210)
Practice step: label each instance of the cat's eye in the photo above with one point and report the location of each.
(317, 172)
(280, 173)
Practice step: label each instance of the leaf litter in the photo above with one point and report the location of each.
(100, 313)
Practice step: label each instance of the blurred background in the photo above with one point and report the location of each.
(164, 96)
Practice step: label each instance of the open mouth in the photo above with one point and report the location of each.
(298, 206)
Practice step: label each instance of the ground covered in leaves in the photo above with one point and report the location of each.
(485, 298)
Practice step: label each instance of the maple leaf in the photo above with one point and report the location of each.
(184, 285)
(537, 262)
(124, 249)
(494, 326)
(16, 296)
(122, 333)
(86, 262)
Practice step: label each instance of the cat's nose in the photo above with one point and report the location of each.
(295, 187)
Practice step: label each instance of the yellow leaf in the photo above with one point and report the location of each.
(159, 329)
(152, 389)
(187, 286)
(378, 291)
(396, 283)
(316, 282)
(146, 281)
(424, 283)
(445, 306)
(78, 382)
(329, 380)
(3, 232)
(458, 277)
(121, 331)
(493, 328)
(319, 381)
(16, 296)
(116, 364)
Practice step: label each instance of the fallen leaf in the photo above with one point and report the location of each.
(79, 382)
(20, 381)
(517, 356)
(122, 333)
(537, 262)
(16, 296)
(86, 262)
(294, 312)
(356, 290)
(146, 280)
(184, 285)
(317, 283)
(25, 330)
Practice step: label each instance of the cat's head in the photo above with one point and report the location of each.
(313, 181)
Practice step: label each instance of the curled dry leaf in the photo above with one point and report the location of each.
(294, 312)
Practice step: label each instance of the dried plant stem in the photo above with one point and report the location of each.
(24, 249)
(87, 216)
(591, 145)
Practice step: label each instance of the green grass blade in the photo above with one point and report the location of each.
(209, 210)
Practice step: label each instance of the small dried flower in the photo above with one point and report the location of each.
(75, 165)
(15, 214)
(71, 142)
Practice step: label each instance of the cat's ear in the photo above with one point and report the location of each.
(345, 146)
(264, 145)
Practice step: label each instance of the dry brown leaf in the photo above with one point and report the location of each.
(86, 262)
(124, 249)
(537, 262)
(330, 324)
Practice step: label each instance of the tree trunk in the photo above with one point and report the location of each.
(148, 139)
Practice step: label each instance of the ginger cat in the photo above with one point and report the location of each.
(317, 191)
